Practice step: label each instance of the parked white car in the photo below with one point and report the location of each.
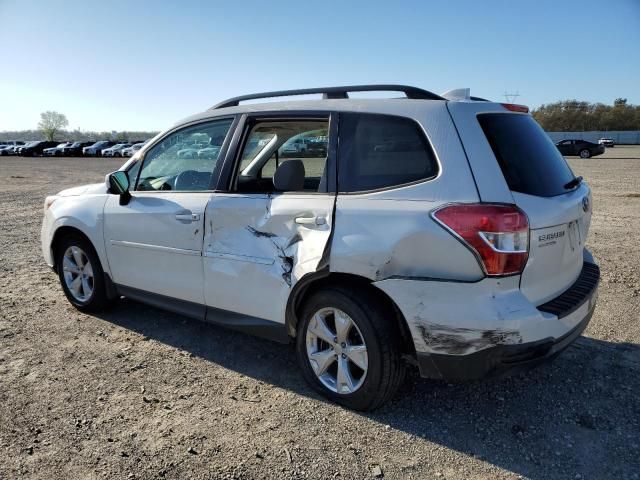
(10, 147)
(189, 150)
(441, 232)
(130, 151)
(209, 152)
(116, 150)
(57, 150)
(607, 142)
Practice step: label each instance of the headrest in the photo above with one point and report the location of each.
(289, 176)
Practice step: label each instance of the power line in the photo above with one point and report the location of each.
(511, 97)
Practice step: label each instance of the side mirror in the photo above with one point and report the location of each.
(119, 185)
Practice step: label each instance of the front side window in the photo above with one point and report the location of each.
(382, 151)
(271, 143)
(184, 160)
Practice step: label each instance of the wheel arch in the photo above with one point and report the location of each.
(315, 281)
(62, 232)
(66, 230)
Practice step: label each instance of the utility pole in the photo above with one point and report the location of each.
(511, 97)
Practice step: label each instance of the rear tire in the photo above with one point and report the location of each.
(81, 274)
(585, 153)
(372, 340)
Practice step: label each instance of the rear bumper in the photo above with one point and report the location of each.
(498, 360)
(465, 331)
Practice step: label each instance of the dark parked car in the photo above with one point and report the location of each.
(580, 147)
(35, 148)
(75, 149)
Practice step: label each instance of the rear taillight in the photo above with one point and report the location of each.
(498, 234)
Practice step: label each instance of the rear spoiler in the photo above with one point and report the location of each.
(464, 95)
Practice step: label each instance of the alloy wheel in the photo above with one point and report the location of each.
(336, 350)
(78, 273)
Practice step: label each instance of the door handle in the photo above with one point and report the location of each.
(317, 221)
(187, 217)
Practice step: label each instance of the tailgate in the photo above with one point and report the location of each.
(559, 227)
(514, 161)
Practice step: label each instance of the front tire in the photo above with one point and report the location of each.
(349, 348)
(81, 274)
(585, 153)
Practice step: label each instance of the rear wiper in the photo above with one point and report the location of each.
(573, 183)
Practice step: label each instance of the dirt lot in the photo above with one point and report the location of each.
(140, 393)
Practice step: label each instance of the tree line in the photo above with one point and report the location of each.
(577, 116)
(562, 116)
(51, 127)
(76, 135)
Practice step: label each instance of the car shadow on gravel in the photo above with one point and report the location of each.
(577, 417)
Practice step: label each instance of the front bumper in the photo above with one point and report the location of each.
(471, 330)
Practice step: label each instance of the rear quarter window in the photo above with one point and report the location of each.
(381, 151)
(529, 160)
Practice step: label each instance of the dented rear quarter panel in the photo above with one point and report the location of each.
(389, 233)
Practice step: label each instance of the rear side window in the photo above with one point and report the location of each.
(529, 160)
(381, 151)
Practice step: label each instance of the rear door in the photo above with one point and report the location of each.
(514, 161)
(260, 241)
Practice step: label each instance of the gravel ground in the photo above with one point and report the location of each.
(140, 393)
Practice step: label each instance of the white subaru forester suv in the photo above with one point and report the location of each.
(445, 232)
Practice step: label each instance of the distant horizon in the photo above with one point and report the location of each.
(113, 132)
(127, 65)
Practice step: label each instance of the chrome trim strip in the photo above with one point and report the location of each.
(240, 258)
(156, 248)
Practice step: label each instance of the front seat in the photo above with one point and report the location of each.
(289, 176)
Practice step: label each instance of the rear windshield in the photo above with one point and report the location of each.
(529, 160)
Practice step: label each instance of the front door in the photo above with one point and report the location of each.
(154, 242)
(270, 229)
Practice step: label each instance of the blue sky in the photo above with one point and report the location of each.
(129, 65)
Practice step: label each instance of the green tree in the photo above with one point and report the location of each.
(51, 123)
(122, 137)
(574, 115)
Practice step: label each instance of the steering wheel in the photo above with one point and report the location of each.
(191, 180)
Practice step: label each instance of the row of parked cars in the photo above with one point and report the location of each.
(105, 148)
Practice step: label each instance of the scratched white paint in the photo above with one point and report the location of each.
(480, 315)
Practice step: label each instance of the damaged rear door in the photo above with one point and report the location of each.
(259, 241)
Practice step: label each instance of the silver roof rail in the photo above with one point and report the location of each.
(333, 93)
